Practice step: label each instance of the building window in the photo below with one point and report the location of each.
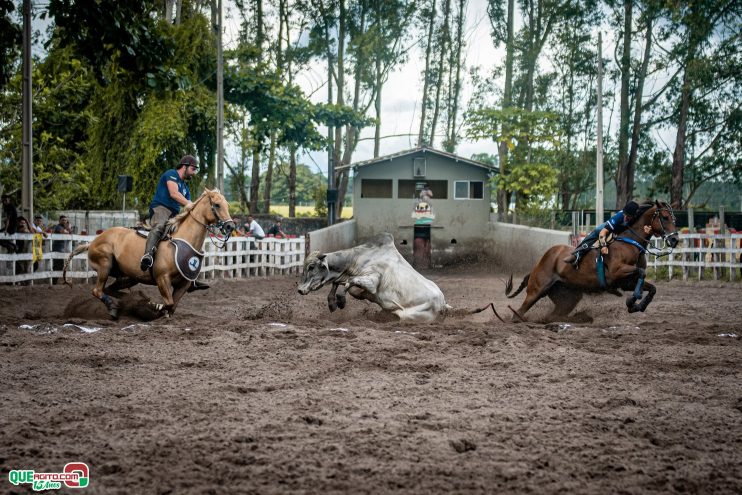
(410, 189)
(376, 188)
(418, 167)
(468, 189)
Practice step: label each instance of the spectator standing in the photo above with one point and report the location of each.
(60, 245)
(275, 230)
(38, 227)
(22, 245)
(10, 222)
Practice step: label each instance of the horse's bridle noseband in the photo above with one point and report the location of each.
(664, 234)
(219, 231)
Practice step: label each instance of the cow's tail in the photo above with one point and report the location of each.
(450, 311)
(79, 249)
(509, 286)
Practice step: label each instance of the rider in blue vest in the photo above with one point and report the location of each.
(171, 193)
(615, 225)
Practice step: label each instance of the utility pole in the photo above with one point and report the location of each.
(599, 144)
(27, 131)
(332, 193)
(219, 102)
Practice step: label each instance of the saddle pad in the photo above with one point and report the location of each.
(141, 232)
(187, 259)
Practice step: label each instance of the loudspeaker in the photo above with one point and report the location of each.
(125, 183)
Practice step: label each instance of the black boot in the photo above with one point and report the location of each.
(196, 285)
(153, 238)
(575, 257)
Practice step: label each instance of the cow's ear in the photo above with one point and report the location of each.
(321, 256)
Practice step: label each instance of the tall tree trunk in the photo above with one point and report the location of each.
(453, 136)
(636, 127)
(292, 182)
(377, 107)
(269, 174)
(678, 156)
(622, 180)
(426, 77)
(445, 38)
(502, 149)
(255, 181)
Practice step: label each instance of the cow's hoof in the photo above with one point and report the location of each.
(340, 300)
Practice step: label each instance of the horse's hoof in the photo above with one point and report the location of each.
(114, 313)
(332, 307)
(634, 308)
(340, 301)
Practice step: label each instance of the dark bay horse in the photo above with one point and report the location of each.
(624, 267)
(117, 252)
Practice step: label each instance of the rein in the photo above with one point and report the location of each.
(213, 229)
(657, 252)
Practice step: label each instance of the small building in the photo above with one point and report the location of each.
(386, 194)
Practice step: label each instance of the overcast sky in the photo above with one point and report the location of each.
(401, 96)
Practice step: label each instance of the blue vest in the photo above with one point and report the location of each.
(617, 223)
(162, 194)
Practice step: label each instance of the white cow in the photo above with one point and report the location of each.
(377, 272)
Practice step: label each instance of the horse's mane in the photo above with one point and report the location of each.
(646, 205)
(173, 224)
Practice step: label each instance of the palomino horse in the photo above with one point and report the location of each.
(622, 268)
(117, 252)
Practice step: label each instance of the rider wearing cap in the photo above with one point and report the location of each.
(171, 193)
(615, 225)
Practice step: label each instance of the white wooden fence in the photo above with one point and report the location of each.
(699, 256)
(702, 256)
(242, 257)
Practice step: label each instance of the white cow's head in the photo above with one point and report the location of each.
(316, 273)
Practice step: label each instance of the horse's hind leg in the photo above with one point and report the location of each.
(564, 299)
(120, 284)
(538, 287)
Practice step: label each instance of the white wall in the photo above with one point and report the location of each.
(519, 247)
(333, 238)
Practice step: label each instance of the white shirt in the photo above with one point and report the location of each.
(256, 229)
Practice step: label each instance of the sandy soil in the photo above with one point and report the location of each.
(251, 388)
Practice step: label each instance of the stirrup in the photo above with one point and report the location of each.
(147, 262)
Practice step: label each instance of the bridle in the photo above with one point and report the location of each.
(666, 248)
(218, 234)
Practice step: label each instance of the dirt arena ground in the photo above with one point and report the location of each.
(251, 388)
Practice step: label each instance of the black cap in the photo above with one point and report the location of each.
(188, 160)
(631, 208)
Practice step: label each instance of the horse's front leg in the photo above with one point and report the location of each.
(178, 293)
(164, 284)
(652, 290)
(635, 273)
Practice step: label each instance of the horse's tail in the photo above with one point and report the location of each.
(509, 286)
(79, 249)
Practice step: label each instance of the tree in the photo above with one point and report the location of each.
(10, 42)
(707, 108)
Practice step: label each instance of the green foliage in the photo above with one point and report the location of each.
(10, 42)
(536, 183)
(306, 184)
(320, 200)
